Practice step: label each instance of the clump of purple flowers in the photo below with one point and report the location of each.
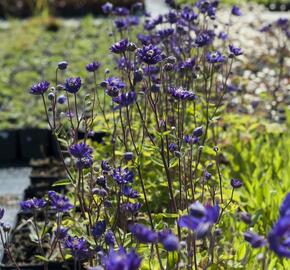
(83, 154)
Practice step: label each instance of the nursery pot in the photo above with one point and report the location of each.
(51, 265)
(40, 191)
(8, 145)
(34, 143)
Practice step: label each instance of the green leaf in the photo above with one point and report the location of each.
(62, 182)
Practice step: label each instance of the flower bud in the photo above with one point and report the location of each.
(131, 47)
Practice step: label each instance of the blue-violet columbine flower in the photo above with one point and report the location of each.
(150, 54)
(113, 86)
(73, 85)
(110, 238)
(77, 246)
(200, 218)
(120, 46)
(62, 65)
(235, 51)
(125, 99)
(215, 57)
(143, 234)
(255, 240)
(123, 176)
(32, 204)
(107, 8)
(236, 11)
(59, 202)
(130, 192)
(236, 183)
(99, 228)
(279, 236)
(83, 153)
(39, 88)
(181, 94)
(121, 260)
(93, 66)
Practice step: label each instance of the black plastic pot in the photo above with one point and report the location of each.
(8, 145)
(97, 137)
(278, 6)
(34, 143)
(51, 266)
(40, 191)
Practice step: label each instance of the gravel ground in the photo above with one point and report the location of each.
(13, 181)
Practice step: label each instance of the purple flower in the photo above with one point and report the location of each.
(133, 20)
(121, 260)
(62, 65)
(246, 217)
(100, 192)
(143, 234)
(137, 6)
(105, 166)
(150, 54)
(172, 147)
(132, 208)
(279, 237)
(130, 192)
(102, 181)
(204, 38)
(110, 238)
(266, 28)
(61, 232)
(235, 51)
(144, 39)
(190, 139)
(121, 11)
(236, 183)
(171, 16)
(188, 14)
(198, 131)
(73, 85)
(92, 67)
(113, 86)
(171, 243)
(200, 218)
(59, 202)
(188, 64)
(2, 211)
(107, 8)
(32, 204)
(120, 46)
(236, 11)
(123, 176)
(223, 35)
(181, 94)
(121, 23)
(78, 247)
(39, 88)
(215, 57)
(282, 23)
(128, 156)
(255, 240)
(99, 228)
(125, 99)
(165, 33)
(83, 153)
(61, 99)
